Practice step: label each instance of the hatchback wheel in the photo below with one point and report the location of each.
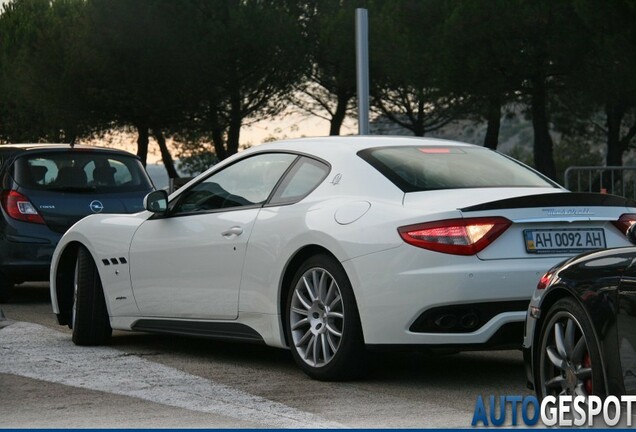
(89, 317)
(323, 325)
(569, 360)
(6, 286)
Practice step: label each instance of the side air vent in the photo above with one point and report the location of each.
(114, 261)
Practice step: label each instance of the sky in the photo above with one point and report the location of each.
(291, 125)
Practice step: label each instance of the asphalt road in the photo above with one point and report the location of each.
(143, 380)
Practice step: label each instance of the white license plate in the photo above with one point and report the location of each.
(563, 240)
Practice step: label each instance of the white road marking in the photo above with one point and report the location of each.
(37, 352)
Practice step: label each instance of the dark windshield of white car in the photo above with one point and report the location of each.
(423, 168)
(85, 171)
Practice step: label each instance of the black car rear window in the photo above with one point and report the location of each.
(79, 171)
(422, 168)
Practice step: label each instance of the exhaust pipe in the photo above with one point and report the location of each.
(446, 322)
(469, 321)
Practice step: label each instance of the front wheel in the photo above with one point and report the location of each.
(322, 321)
(89, 316)
(569, 359)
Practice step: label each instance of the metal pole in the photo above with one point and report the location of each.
(362, 69)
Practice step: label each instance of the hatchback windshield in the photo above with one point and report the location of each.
(81, 171)
(415, 169)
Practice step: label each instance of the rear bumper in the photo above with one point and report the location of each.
(419, 281)
(26, 251)
(506, 337)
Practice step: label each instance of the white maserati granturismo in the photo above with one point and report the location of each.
(333, 246)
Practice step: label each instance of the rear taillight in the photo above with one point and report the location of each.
(625, 221)
(545, 280)
(455, 236)
(19, 207)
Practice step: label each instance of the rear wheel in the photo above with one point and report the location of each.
(89, 316)
(323, 325)
(569, 360)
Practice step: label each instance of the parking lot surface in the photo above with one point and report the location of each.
(143, 380)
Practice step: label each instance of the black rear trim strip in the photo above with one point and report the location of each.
(564, 199)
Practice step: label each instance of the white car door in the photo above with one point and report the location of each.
(188, 262)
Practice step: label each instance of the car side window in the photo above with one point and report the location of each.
(247, 182)
(304, 177)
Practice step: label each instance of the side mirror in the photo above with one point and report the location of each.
(631, 234)
(156, 201)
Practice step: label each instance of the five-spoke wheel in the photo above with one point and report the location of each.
(569, 362)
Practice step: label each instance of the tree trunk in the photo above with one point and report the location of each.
(236, 121)
(233, 135)
(494, 123)
(142, 142)
(219, 143)
(165, 153)
(217, 133)
(339, 115)
(615, 148)
(418, 124)
(543, 146)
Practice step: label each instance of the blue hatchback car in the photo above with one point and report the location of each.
(46, 188)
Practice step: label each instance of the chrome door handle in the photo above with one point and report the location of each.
(235, 231)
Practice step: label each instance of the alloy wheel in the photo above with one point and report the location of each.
(566, 367)
(317, 317)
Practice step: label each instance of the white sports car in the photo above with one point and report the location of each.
(331, 246)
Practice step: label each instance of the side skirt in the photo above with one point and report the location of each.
(211, 330)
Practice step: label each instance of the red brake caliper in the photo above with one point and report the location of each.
(587, 362)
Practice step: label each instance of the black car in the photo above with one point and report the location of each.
(581, 326)
(46, 188)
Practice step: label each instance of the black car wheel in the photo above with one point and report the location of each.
(569, 362)
(90, 322)
(5, 289)
(323, 325)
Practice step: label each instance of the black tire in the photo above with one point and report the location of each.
(348, 360)
(580, 347)
(90, 322)
(6, 286)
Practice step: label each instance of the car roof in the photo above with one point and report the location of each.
(332, 145)
(25, 148)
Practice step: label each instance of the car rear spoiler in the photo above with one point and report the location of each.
(562, 199)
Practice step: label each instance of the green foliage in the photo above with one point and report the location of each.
(406, 78)
(606, 80)
(329, 85)
(42, 72)
(244, 58)
(200, 70)
(572, 151)
(522, 154)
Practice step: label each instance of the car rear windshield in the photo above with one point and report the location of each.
(418, 168)
(85, 171)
